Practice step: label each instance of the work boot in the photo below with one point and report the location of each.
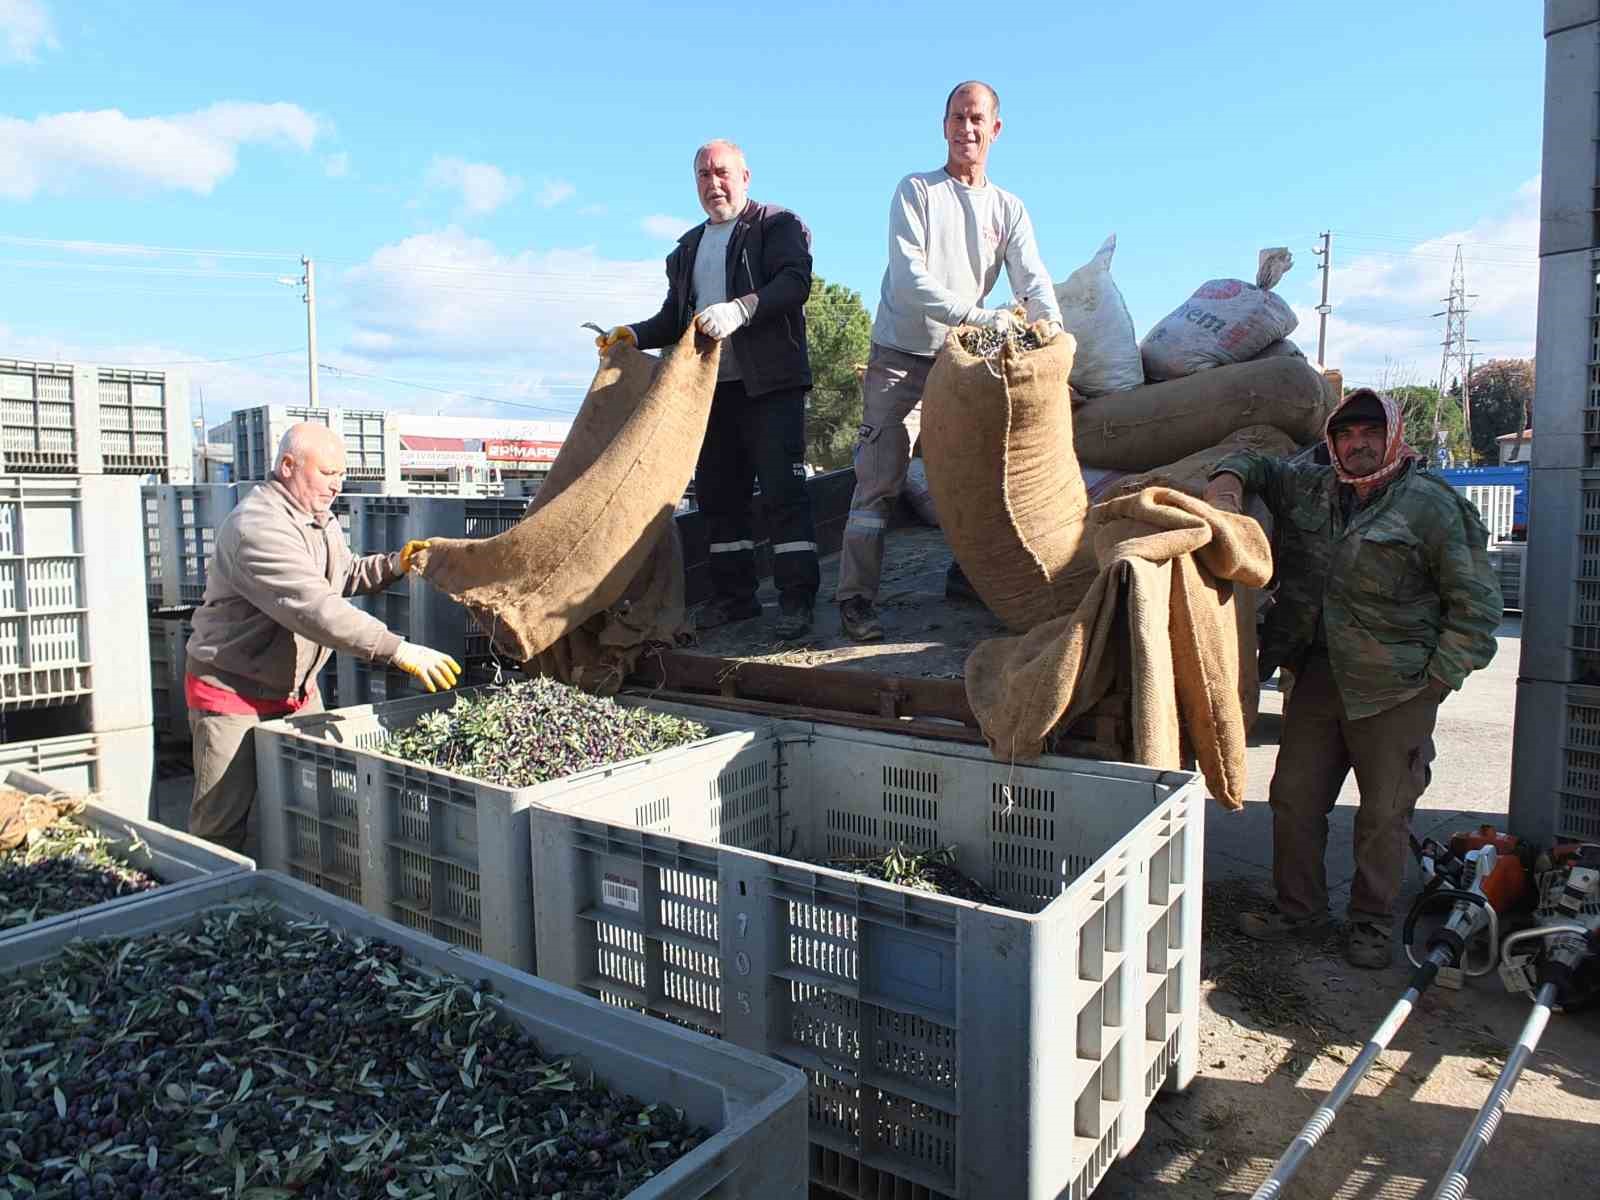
(958, 587)
(1276, 926)
(794, 618)
(859, 620)
(1368, 946)
(725, 610)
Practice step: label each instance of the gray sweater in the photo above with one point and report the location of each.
(275, 602)
(947, 243)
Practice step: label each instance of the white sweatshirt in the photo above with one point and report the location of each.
(947, 242)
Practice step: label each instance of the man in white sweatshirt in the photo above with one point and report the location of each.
(950, 231)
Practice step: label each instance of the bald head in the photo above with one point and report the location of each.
(311, 465)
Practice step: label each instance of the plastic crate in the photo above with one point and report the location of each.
(371, 436)
(754, 1107)
(168, 655)
(38, 423)
(1578, 807)
(117, 767)
(71, 555)
(172, 857)
(952, 1049)
(144, 424)
(436, 851)
(412, 607)
(1496, 504)
(65, 418)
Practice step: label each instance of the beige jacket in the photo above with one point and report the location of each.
(275, 604)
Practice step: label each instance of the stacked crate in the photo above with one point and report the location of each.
(75, 694)
(371, 442)
(87, 419)
(1555, 776)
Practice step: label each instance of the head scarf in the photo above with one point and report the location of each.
(1396, 454)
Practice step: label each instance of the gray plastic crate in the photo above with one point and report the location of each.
(952, 1049)
(371, 437)
(412, 607)
(71, 555)
(66, 418)
(117, 767)
(755, 1107)
(436, 851)
(173, 857)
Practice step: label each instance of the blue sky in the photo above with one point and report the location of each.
(475, 180)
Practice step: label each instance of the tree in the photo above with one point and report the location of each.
(838, 335)
(1417, 403)
(1502, 402)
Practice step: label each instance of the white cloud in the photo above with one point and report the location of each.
(337, 166)
(449, 295)
(660, 225)
(484, 187)
(190, 152)
(592, 210)
(25, 29)
(554, 192)
(1383, 292)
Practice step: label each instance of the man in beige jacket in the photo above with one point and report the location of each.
(275, 607)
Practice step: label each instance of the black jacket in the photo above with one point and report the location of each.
(769, 256)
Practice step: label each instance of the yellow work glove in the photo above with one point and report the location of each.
(408, 555)
(435, 671)
(1226, 492)
(619, 333)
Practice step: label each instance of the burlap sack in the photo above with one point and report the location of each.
(1190, 475)
(1160, 423)
(997, 440)
(586, 538)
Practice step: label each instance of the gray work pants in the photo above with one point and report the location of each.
(1391, 754)
(891, 391)
(225, 773)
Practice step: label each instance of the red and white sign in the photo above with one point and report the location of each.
(512, 450)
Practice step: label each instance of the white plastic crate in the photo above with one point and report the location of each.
(66, 418)
(173, 857)
(71, 556)
(754, 1107)
(434, 850)
(952, 1049)
(1496, 504)
(412, 607)
(116, 767)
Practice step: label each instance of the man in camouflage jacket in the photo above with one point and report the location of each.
(1386, 603)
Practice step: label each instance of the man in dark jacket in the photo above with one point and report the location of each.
(744, 275)
(1386, 603)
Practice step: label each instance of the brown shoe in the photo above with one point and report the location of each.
(860, 621)
(1274, 926)
(1368, 946)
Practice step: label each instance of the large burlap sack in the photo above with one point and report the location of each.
(1093, 312)
(1161, 423)
(596, 520)
(997, 440)
(1225, 321)
(1190, 475)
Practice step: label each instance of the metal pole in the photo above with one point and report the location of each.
(1454, 1185)
(1323, 309)
(311, 327)
(1322, 1120)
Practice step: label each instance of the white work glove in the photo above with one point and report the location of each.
(1001, 320)
(434, 670)
(722, 320)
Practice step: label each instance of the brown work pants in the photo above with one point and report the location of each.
(890, 393)
(1390, 752)
(225, 773)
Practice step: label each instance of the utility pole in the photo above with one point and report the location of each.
(1323, 309)
(308, 282)
(1455, 349)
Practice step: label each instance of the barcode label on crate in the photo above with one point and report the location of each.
(617, 892)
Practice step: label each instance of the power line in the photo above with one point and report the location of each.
(195, 362)
(1418, 241)
(134, 248)
(422, 387)
(129, 268)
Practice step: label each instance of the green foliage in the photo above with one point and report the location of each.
(533, 731)
(1502, 402)
(838, 336)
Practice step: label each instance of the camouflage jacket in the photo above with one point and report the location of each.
(1405, 585)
